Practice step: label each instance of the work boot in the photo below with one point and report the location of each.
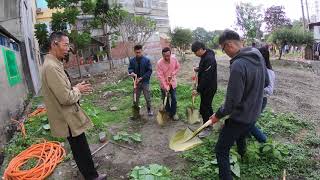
(205, 133)
(101, 177)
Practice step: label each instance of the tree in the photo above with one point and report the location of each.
(249, 20)
(290, 36)
(109, 19)
(202, 35)
(275, 17)
(181, 39)
(136, 30)
(214, 42)
(41, 34)
(69, 17)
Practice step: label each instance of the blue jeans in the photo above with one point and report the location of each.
(173, 100)
(255, 131)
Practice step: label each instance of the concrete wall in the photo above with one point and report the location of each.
(96, 68)
(11, 98)
(27, 13)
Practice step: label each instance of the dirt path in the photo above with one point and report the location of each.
(153, 149)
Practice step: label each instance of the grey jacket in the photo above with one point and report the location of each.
(248, 77)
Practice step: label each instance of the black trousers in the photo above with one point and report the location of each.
(231, 132)
(206, 105)
(82, 155)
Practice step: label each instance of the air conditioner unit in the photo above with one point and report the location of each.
(39, 10)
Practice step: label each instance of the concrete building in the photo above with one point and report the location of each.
(155, 9)
(44, 15)
(19, 59)
(18, 17)
(13, 80)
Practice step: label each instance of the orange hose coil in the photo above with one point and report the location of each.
(49, 155)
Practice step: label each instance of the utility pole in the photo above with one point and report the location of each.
(307, 7)
(303, 18)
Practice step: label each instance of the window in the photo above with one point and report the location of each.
(143, 3)
(15, 46)
(138, 3)
(147, 3)
(3, 40)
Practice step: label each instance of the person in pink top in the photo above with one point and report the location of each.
(167, 69)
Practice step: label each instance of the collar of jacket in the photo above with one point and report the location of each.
(55, 60)
(205, 53)
(235, 57)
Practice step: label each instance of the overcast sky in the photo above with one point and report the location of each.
(219, 14)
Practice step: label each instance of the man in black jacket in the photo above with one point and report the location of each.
(207, 82)
(243, 98)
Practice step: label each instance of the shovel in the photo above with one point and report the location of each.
(162, 116)
(192, 113)
(135, 110)
(134, 79)
(186, 139)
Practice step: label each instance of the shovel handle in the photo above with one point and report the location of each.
(200, 129)
(134, 79)
(165, 100)
(193, 98)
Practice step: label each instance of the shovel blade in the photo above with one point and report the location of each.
(192, 115)
(183, 140)
(161, 117)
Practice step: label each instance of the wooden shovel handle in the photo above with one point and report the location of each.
(199, 130)
(202, 127)
(193, 98)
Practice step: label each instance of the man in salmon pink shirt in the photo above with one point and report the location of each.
(167, 69)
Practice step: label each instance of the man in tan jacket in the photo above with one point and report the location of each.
(66, 118)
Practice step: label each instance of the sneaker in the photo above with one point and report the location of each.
(101, 177)
(175, 117)
(150, 113)
(205, 133)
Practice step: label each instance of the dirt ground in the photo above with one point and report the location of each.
(296, 91)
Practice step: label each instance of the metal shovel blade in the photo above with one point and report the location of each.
(162, 116)
(192, 115)
(180, 142)
(186, 139)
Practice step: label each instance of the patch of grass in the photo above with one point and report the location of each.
(35, 101)
(153, 171)
(35, 133)
(281, 124)
(126, 137)
(262, 161)
(312, 140)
